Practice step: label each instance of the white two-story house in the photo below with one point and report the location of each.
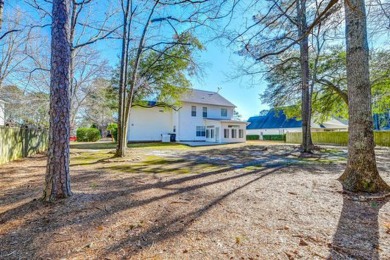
(202, 116)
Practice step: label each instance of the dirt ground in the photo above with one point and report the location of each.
(252, 201)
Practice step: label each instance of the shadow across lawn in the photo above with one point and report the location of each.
(41, 224)
(357, 235)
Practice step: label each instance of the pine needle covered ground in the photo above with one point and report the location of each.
(251, 201)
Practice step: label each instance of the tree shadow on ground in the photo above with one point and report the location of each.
(173, 226)
(40, 223)
(357, 235)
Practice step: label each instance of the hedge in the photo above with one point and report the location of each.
(17, 143)
(382, 138)
(113, 128)
(88, 135)
(252, 137)
(274, 137)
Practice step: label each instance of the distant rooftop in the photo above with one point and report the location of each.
(273, 119)
(206, 97)
(277, 119)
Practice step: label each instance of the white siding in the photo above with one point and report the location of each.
(187, 122)
(147, 124)
(237, 127)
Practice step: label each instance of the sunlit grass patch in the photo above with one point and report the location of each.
(85, 158)
(159, 165)
(92, 145)
(254, 167)
(158, 145)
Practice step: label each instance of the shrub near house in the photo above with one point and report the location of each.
(88, 135)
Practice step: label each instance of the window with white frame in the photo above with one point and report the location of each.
(207, 133)
(204, 111)
(200, 131)
(224, 112)
(241, 133)
(234, 133)
(193, 110)
(226, 133)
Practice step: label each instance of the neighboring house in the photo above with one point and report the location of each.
(2, 112)
(202, 116)
(275, 122)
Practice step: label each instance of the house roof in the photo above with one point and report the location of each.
(205, 97)
(277, 119)
(273, 119)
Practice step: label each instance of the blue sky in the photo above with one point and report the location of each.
(219, 64)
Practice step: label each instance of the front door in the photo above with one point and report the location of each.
(217, 134)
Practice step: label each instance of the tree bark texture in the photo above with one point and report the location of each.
(307, 143)
(121, 134)
(57, 170)
(1, 13)
(361, 174)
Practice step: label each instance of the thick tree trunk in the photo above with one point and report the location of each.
(57, 171)
(361, 173)
(307, 143)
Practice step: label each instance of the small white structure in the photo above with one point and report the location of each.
(2, 112)
(275, 122)
(203, 116)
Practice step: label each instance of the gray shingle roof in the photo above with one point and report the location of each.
(205, 97)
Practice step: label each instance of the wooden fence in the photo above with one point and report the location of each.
(382, 138)
(17, 143)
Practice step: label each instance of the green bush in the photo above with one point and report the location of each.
(252, 137)
(114, 134)
(88, 135)
(113, 128)
(274, 137)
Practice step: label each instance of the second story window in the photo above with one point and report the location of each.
(224, 112)
(204, 111)
(193, 110)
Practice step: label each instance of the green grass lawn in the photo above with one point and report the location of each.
(112, 145)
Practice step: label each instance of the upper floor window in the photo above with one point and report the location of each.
(204, 111)
(224, 112)
(193, 110)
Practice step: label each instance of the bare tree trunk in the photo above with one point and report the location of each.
(128, 101)
(57, 171)
(305, 77)
(1, 13)
(121, 135)
(361, 173)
